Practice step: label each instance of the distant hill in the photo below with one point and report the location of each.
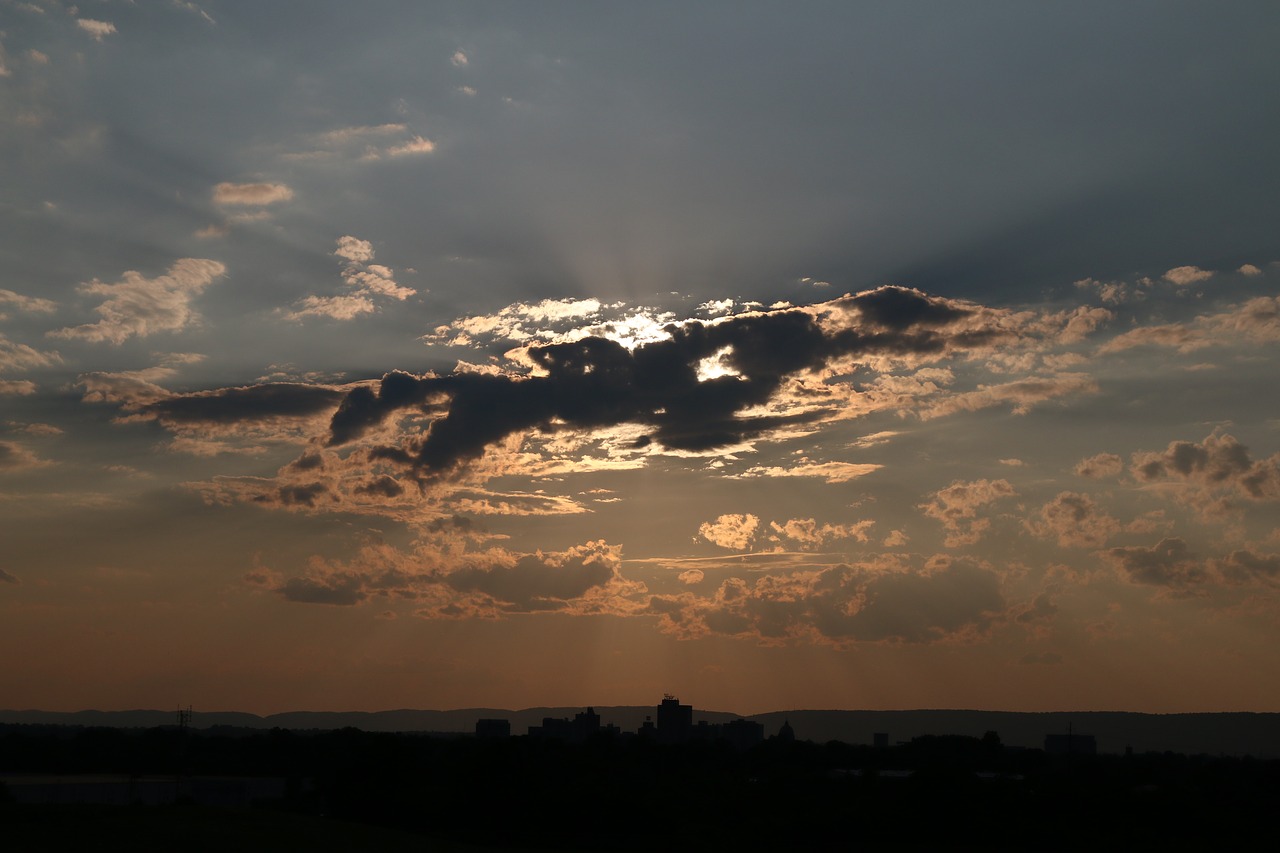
(1214, 734)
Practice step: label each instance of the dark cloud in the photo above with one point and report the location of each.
(1207, 469)
(453, 585)
(5, 577)
(596, 382)
(535, 582)
(919, 607)
(844, 604)
(253, 402)
(339, 589)
(1170, 564)
(1243, 566)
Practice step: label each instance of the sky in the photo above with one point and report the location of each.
(816, 355)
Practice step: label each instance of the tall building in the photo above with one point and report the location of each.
(675, 721)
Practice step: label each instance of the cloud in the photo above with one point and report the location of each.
(584, 579)
(1204, 473)
(5, 577)
(368, 281)
(958, 504)
(15, 456)
(807, 533)
(1100, 466)
(250, 195)
(1023, 394)
(97, 30)
(459, 59)
(945, 600)
(1183, 276)
(29, 304)
(15, 356)
(363, 142)
(416, 145)
(896, 539)
(832, 472)
(1075, 521)
(1256, 321)
(596, 382)
(733, 531)
(1245, 566)
(1169, 563)
(140, 307)
(17, 387)
(1249, 270)
(354, 249)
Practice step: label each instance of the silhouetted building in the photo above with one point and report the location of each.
(493, 728)
(1070, 744)
(786, 734)
(553, 727)
(675, 721)
(744, 734)
(585, 724)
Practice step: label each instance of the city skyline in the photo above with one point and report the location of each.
(504, 355)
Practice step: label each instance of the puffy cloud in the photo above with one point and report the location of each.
(692, 576)
(1183, 276)
(958, 504)
(30, 304)
(1249, 270)
(943, 601)
(1080, 323)
(1244, 566)
(367, 281)
(250, 195)
(97, 30)
(343, 307)
(1100, 466)
(15, 356)
(140, 306)
(354, 249)
(731, 531)
(446, 583)
(1169, 563)
(1256, 321)
(459, 59)
(1023, 394)
(1219, 464)
(596, 382)
(807, 533)
(416, 145)
(15, 456)
(1075, 521)
(17, 387)
(895, 539)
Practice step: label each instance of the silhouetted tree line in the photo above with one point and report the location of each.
(614, 793)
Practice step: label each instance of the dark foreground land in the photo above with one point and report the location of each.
(355, 790)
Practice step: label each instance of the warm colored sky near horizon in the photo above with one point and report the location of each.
(858, 355)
